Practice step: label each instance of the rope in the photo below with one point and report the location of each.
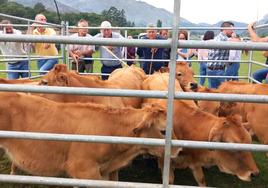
(121, 61)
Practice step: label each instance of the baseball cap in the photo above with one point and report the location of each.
(106, 24)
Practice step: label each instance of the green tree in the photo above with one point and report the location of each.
(159, 23)
(39, 8)
(3, 2)
(115, 16)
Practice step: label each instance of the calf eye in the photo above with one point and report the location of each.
(179, 74)
(44, 82)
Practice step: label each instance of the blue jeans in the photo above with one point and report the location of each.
(260, 75)
(232, 70)
(46, 65)
(20, 65)
(203, 72)
(215, 82)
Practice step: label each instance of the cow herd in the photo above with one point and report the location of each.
(129, 116)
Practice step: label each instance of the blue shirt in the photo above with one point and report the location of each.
(146, 53)
(218, 54)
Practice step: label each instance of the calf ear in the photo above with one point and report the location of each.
(216, 134)
(62, 79)
(145, 123)
(60, 68)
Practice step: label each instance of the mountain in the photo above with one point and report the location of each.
(136, 11)
(139, 12)
(49, 4)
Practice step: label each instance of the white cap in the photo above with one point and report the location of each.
(106, 24)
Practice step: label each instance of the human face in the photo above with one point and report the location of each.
(182, 37)
(229, 32)
(151, 33)
(107, 33)
(82, 32)
(164, 34)
(9, 29)
(41, 18)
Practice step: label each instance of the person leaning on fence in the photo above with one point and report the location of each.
(185, 53)
(14, 49)
(218, 68)
(259, 75)
(166, 54)
(44, 49)
(202, 54)
(110, 52)
(151, 53)
(78, 52)
(232, 68)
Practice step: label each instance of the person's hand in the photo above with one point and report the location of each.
(251, 25)
(110, 48)
(153, 50)
(78, 53)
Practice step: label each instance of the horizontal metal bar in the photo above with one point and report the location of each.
(132, 141)
(27, 20)
(82, 138)
(160, 28)
(134, 93)
(260, 64)
(78, 182)
(135, 42)
(32, 59)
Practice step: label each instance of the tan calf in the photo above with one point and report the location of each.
(190, 123)
(60, 76)
(21, 112)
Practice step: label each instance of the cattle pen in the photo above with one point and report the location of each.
(171, 95)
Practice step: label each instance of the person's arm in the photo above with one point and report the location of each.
(186, 55)
(253, 35)
(265, 53)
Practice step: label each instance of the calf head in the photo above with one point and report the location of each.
(185, 75)
(56, 77)
(239, 163)
(153, 125)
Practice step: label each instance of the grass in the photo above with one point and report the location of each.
(147, 171)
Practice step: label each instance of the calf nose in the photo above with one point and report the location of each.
(193, 85)
(254, 174)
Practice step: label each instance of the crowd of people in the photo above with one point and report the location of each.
(154, 58)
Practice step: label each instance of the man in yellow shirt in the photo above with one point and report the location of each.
(44, 49)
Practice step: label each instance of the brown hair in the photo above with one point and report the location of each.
(185, 33)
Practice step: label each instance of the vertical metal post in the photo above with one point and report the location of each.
(174, 43)
(67, 46)
(125, 48)
(250, 65)
(28, 48)
(63, 46)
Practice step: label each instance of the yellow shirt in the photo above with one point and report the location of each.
(40, 47)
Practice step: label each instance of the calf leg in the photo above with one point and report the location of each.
(13, 169)
(113, 176)
(198, 175)
(171, 169)
(83, 169)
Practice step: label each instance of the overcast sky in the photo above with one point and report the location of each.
(212, 11)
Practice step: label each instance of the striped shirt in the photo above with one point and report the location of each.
(218, 54)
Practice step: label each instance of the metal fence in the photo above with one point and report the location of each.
(170, 95)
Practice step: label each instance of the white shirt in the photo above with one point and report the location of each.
(12, 48)
(235, 55)
(74, 47)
